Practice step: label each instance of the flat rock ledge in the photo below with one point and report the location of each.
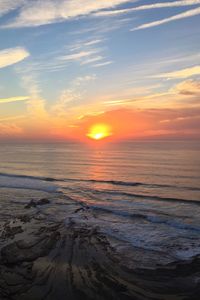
(45, 259)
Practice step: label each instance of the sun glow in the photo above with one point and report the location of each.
(99, 132)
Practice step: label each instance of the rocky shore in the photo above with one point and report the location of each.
(49, 250)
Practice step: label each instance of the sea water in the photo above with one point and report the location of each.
(145, 193)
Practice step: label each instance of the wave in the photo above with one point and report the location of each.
(147, 197)
(152, 197)
(127, 183)
(52, 186)
(150, 218)
(26, 182)
(111, 182)
(28, 177)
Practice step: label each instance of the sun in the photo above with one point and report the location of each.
(99, 131)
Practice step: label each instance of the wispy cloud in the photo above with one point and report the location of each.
(93, 42)
(11, 130)
(77, 56)
(7, 119)
(183, 73)
(8, 5)
(92, 60)
(71, 95)
(148, 7)
(85, 53)
(36, 13)
(188, 88)
(186, 14)
(85, 44)
(106, 63)
(134, 100)
(13, 99)
(12, 56)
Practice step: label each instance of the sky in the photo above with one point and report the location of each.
(66, 65)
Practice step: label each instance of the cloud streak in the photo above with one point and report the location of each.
(186, 14)
(77, 56)
(36, 13)
(148, 7)
(12, 118)
(8, 5)
(85, 54)
(183, 73)
(13, 99)
(103, 64)
(12, 56)
(188, 88)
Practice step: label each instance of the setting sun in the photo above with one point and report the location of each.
(99, 131)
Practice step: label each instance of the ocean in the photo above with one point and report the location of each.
(143, 193)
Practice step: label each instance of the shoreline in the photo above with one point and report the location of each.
(43, 258)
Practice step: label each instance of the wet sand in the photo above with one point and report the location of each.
(46, 252)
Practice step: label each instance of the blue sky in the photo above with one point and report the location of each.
(65, 59)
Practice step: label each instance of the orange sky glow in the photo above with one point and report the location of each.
(118, 124)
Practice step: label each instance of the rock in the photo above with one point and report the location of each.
(10, 232)
(24, 218)
(43, 201)
(22, 251)
(34, 203)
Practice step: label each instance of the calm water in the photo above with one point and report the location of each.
(145, 193)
